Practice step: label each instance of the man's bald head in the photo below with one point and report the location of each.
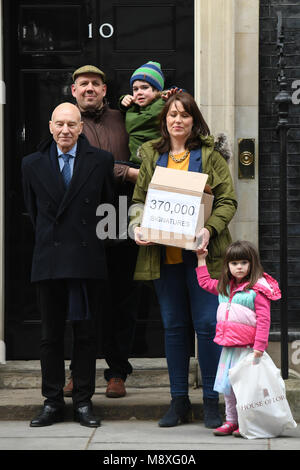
(66, 126)
(67, 108)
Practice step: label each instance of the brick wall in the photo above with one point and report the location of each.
(269, 156)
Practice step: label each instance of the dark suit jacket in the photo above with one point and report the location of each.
(66, 244)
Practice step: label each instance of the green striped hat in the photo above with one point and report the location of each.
(151, 73)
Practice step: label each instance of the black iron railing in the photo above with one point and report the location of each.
(283, 100)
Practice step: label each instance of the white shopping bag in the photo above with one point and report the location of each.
(263, 410)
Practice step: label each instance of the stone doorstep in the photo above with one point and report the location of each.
(147, 392)
(147, 372)
(147, 403)
(139, 403)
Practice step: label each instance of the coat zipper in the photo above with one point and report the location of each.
(229, 303)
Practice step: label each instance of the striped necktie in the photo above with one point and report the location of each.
(66, 170)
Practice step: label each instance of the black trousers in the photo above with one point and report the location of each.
(122, 305)
(52, 299)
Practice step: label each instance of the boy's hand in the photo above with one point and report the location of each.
(127, 101)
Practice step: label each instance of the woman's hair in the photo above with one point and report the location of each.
(240, 250)
(199, 124)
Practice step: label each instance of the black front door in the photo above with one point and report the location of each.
(44, 42)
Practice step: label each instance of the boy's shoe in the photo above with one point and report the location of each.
(226, 430)
(237, 433)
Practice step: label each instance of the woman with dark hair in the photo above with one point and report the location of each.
(186, 144)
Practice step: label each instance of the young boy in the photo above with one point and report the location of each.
(144, 106)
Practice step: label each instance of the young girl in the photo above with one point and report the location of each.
(243, 316)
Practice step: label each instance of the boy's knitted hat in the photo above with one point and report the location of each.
(151, 73)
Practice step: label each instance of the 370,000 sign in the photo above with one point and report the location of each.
(167, 206)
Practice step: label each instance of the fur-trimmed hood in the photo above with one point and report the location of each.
(220, 143)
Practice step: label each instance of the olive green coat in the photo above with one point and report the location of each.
(224, 208)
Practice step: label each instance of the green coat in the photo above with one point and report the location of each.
(224, 208)
(142, 124)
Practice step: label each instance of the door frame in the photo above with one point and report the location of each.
(2, 196)
(227, 90)
(225, 33)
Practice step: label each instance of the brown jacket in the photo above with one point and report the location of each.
(106, 130)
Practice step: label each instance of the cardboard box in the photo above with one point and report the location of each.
(176, 207)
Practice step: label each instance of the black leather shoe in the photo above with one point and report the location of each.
(48, 416)
(85, 416)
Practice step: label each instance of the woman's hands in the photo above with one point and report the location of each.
(201, 251)
(138, 238)
(203, 237)
(172, 91)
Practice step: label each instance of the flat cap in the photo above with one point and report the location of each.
(88, 69)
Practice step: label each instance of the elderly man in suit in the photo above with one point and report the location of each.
(64, 183)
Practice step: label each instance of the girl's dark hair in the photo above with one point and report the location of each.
(199, 124)
(240, 250)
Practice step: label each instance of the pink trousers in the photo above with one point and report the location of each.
(230, 408)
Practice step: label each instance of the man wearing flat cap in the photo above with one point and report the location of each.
(104, 128)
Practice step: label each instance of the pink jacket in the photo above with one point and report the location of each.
(243, 318)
